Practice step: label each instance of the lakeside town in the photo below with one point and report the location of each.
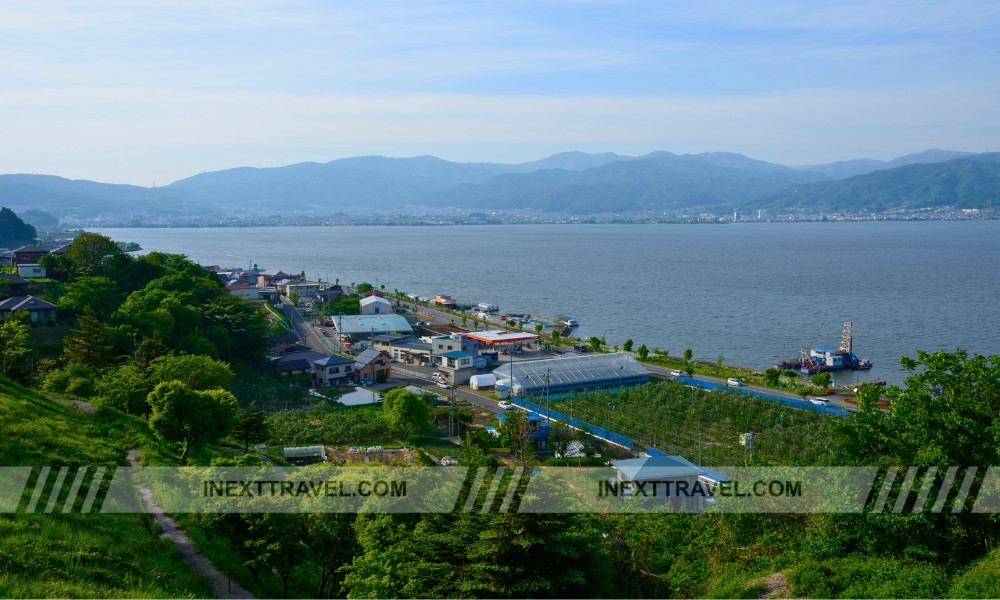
(357, 338)
(458, 216)
(351, 343)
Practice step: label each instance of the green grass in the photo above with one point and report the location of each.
(94, 555)
(77, 555)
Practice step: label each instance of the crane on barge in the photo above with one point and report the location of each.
(828, 359)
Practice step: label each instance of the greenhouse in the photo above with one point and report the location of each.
(556, 375)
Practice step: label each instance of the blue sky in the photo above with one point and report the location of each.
(154, 91)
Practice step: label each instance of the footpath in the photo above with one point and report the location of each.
(222, 586)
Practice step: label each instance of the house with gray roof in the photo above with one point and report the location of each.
(39, 310)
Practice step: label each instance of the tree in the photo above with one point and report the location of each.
(90, 344)
(194, 371)
(277, 543)
(947, 396)
(190, 417)
(13, 231)
(96, 295)
(363, 287)
(556, 338)
(406, 413)
(14, 351)
(331, 539)
(251, 427)
(772, 377)
(627, 346)
(94, 254)
(125, 388)
(379, 569)
(595, 343)
(823, 379)
(517, 435)
(474, 455)
(642, 352)
(538, 328)
(688, 354)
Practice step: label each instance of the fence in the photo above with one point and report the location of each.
(789, 402)
(553, 415)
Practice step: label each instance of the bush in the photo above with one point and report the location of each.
(982, 580)
(867, 577)
(79, 386)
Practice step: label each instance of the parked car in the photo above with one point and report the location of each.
(819, 401)
(734, 382)
(448, 461)
(435, 375)
(505, 405)
(442, 384)
(676, 373)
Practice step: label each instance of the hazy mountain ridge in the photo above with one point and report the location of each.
(568, 182)
(863, 166)
(970, 182)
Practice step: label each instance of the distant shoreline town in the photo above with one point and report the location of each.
(450, 218)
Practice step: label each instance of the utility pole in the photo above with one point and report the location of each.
(548, 404)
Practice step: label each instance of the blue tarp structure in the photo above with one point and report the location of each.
(601, 432)
(789, 402)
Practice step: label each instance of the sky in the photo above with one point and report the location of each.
(151, 92)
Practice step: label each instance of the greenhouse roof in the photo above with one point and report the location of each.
(574, 372)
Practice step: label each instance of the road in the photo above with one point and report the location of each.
(422, 375)
(835, 399)
(309, 336)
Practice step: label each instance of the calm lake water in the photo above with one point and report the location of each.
(751, 293)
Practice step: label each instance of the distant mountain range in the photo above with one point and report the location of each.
(570, 182)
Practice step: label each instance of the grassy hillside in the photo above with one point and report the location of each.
(79, 555)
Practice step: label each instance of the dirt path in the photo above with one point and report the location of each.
(222, 586)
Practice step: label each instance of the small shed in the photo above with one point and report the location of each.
(30, 270)
(486, 380)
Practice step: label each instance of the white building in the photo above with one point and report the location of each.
(374, 305)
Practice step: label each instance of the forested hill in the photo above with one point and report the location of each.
(972, 182)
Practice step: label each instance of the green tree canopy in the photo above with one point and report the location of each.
(251, 427)
(125, 387)
(95, 254)
(406, 413)
(933, 421)
(13, 231)
(90, 345)
(822, 379)
(195, 371)
(190, 417)
(95, 295)
(14, 351)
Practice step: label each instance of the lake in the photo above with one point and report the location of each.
(751, 293)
